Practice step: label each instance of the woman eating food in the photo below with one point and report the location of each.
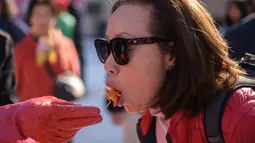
(166, 59)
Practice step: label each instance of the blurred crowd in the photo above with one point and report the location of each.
(236, 11)
(48, 32)
(36, 26)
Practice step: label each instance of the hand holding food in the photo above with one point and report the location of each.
(45, 119)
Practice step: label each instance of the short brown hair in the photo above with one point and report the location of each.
(52, 7)
(202, 65)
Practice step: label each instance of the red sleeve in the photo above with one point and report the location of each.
(245, 129)
(243, 126)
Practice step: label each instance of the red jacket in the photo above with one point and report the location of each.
(237, 122)
(34, 81)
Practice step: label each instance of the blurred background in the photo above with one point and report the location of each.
(91, 19)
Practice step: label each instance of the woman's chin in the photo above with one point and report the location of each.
(131, 110)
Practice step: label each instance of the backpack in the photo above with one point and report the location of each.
(213, 114)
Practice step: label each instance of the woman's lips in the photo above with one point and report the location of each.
(109, 86)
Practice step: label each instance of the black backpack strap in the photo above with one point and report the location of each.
(213, 115)
(214, 112)
(150, 137)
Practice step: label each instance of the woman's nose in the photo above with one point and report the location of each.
(110, 66)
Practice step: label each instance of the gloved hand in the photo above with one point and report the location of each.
(45, 119)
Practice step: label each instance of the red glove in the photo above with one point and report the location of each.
(45, 119)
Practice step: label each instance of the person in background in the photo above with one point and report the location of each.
(241, 38)
(43, 45)
(76, 32)
(9, 23)
(236, 11)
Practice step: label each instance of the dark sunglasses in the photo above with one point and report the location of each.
(120, 47)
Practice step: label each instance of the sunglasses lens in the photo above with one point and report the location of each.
(120, 51)
(102, 50)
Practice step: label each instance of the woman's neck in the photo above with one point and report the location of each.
(156, 112)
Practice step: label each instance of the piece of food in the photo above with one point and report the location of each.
(113, 96)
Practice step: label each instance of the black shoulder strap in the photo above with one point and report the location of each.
(214, 112)
(150, 137)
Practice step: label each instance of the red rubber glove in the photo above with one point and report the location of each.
(45, 119)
